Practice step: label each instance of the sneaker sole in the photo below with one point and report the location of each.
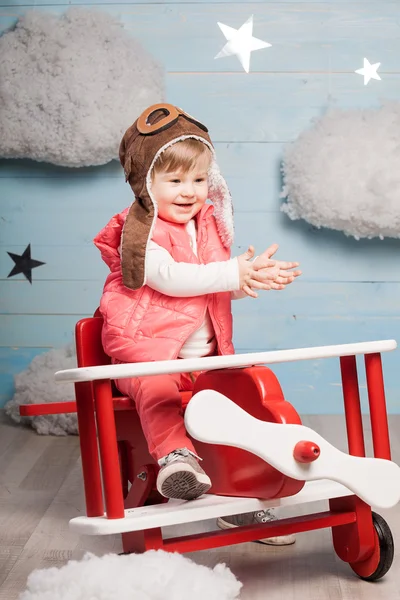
(286, 540)
(184, 484)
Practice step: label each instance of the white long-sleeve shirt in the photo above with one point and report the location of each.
(183, 280)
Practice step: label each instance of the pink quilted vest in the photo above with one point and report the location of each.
(145, 325)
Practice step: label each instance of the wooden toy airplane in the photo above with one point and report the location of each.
(255, 449)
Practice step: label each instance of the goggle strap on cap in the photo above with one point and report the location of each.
(172, 114)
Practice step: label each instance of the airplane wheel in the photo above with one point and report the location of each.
(384, 549)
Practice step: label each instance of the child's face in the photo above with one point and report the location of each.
(179, 195)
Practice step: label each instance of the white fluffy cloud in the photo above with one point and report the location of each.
(149, 576)
(344, 173)
(36, 385)
(70, 86)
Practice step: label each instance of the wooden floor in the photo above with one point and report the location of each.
(41, 489)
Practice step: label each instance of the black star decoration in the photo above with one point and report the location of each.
(24, 264)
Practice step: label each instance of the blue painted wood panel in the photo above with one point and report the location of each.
(138, 3)
(265, 332)
(67, 211)
(305, 36)
(308, 299)
(349, 290)
(73, 264)
(271, 107)
(232, 157)
(323, 256)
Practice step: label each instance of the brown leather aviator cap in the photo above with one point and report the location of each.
(157, 128)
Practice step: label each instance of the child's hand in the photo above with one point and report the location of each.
(278, 270)
(249, 277)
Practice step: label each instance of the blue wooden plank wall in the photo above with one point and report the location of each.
(349, 291)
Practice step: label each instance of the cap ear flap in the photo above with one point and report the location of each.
(219, 194)
(128, 167)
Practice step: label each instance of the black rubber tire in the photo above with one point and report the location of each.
(386, 548)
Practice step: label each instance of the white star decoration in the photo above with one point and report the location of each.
(369, 71)
(241, 42)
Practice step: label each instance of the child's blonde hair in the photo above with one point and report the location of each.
(183, 156)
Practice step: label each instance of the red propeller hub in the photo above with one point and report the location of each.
(306, 452)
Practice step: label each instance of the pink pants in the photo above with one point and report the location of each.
(159, 406)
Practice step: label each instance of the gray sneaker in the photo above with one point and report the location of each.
(260, 516)
(181, 476)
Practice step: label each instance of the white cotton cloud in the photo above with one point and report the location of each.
(344, 173)
(36, 385)
(149, 576)
(70, 86)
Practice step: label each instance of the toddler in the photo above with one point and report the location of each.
(171, 281)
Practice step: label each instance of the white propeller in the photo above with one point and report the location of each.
(214, 419)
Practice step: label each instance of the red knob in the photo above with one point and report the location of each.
(306, 452)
